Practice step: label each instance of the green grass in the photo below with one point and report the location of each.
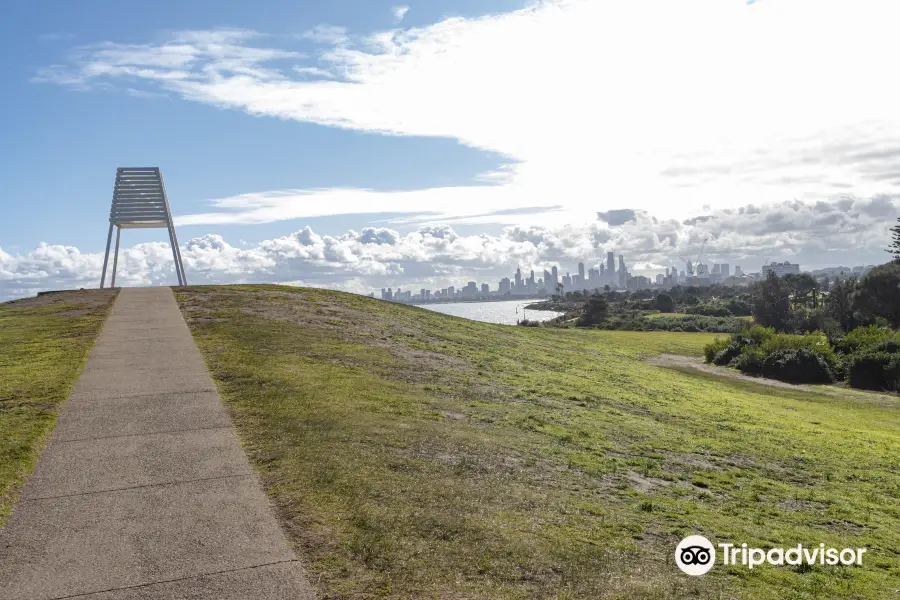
(676, 315)
(44, 343)
(416, 455)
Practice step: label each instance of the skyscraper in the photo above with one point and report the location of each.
(610, 263)
(555, 273)
(581, 270)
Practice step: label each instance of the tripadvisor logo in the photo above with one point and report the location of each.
(696, 555)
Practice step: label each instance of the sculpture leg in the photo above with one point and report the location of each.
(112, 282)
(180, 260)
(106, 258)
(175, 254)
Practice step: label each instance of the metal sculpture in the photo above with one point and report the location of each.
(140, 201)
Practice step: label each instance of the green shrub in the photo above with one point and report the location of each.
(863, 338)
(814, 342)
(757, 334)
(891, 346)
(726, 355)
(874, 371)
(714, 347)
(739, 307)
(797, 365)
(691, 323)
(709, 309)
(750, 362)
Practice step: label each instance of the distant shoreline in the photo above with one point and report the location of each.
(475, 300)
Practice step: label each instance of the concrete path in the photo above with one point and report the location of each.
(143, 491)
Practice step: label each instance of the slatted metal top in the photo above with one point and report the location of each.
(139, 199)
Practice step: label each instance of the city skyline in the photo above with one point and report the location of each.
(610, 273)
(602, 277)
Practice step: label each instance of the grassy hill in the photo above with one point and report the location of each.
(44, 343)
(415, 455)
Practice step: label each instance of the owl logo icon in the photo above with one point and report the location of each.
(695, 555)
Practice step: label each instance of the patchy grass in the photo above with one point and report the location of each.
(416, 455)
(44, 343)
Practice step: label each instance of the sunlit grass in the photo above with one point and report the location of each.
(44, 343)
(417, 455)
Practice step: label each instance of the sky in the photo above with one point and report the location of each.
(360, 144)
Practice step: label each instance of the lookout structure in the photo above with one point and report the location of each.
(140, 201)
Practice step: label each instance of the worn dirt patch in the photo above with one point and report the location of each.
(644, 483)
(89, 298)
(675, 361)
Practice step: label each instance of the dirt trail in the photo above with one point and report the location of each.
(676, 361)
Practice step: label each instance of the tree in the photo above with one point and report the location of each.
(804, 289)
(894, 249)
(878, 293)
(664, 303)
(772, 303)
(740, 306)
(839, 303)
(595, 310)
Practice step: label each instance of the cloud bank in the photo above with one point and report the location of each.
(813, 233)
(653, 105)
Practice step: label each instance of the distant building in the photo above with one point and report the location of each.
(780, 269)
(485, 289)
(638, 282)
(504, 287)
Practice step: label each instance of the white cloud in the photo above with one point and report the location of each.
(651, 104)
(815, 234)
(399, 12)
(326, 34)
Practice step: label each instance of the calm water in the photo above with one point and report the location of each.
(503, 313)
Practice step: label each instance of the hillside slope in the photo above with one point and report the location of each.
(44, 343)
(416, 455)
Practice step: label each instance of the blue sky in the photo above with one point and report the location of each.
(81, 137)
(360, 144)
